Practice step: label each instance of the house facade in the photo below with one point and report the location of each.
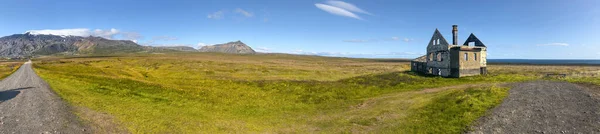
(450, 59)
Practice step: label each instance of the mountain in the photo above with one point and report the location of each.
(237, 47)
(98, 45)
(20, 45)
(179, 48)
(26, 45)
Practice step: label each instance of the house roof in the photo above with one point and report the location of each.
(421, 59)
(473, 38)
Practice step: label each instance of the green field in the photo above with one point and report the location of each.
(8, 67)
(273, 93)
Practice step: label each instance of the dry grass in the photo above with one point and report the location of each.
(542, 70)
(273, 93)
(8, 67)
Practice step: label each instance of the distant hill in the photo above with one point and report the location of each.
(98, 45)
(179, 48)
(26, 45)
(237, 47)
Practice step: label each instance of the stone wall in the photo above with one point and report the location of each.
(471, 66)
(469, 72)
(438, 45)
(483, 62)
(418, 66)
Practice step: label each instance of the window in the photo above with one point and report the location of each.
(439, 56)
(475, 56)
(430, 56)
(471, 43)
(466, 56)
(439, 72)
(438, 41)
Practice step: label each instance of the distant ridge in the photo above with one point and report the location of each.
(27, 45)
(179, 48)
(236, 47)
(31, 45)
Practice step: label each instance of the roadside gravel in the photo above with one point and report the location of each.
(544, 107)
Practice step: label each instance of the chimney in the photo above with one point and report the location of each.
(454, 34)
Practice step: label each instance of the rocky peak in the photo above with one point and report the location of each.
(236, 47)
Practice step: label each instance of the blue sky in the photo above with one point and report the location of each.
(522, 29)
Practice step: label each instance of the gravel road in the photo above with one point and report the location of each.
(28, 105)
(544, 107)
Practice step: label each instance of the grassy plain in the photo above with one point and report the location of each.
(209, 92)
(8, 67)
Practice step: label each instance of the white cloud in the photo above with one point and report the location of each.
(200, 44)
(154, 39)
(554, 44)
(243, 12)
(63, 32)
(300, 51)
(263, 49)
(108, 34)
(337, 11)
(407, 40)
(133, 36)
(216, 15)
(341, 8)
(347, 6)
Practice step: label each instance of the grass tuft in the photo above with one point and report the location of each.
(453, 111)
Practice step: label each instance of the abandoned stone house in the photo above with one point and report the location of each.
(452, 60)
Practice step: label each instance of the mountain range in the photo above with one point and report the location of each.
(31, 45)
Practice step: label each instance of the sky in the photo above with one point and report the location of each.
(511, 29)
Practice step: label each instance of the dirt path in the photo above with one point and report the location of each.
(28, 105)
(544, 107)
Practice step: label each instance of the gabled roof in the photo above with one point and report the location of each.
(473, 38)
(421, 59)
(437, 35)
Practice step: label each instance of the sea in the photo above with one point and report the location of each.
(544, 61)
